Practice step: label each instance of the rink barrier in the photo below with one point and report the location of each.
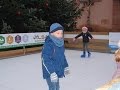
(98, 45)
(103, 41)
(14, 40)
(15, 44)
(93, 33)
(19, 52)
(95, 45)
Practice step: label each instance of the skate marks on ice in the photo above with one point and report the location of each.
(21, 73)
(89, 73)
(24, 73)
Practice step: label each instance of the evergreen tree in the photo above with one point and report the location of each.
(37, 15)
(10, 12)
(33, 22)
(64, 12)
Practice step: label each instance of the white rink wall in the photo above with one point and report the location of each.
(104, 37)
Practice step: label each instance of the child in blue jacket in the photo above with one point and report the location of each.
(54, 63)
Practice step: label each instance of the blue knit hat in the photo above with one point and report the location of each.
(55, 26)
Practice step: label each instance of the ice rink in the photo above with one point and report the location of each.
(25, 73)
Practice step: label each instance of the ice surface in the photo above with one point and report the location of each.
(24, 72)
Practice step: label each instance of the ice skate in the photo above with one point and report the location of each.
(89, 54)
(83, 56)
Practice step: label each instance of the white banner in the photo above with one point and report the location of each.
(22, 39)
(114, 38)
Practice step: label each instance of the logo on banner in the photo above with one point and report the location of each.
(9, 39)
(25, 38)
(2, 40)
(36, 38)
(39, 38)
(18, 39)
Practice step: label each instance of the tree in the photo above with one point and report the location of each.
(15, 14)
(37, 15)
(9, 13)
(64, 12)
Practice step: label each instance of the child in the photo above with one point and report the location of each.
(54, 62)
(85, 35)
(117, 59)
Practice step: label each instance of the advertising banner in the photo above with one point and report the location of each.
(22, 39)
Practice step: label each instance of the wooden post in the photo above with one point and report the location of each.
(24, 50)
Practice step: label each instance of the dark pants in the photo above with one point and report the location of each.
(85, 47)
(53, 85)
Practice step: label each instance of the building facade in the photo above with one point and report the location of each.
(103, 15)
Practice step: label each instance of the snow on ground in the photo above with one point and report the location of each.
(24, 72)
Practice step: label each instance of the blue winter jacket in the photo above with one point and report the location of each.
(53, 59)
